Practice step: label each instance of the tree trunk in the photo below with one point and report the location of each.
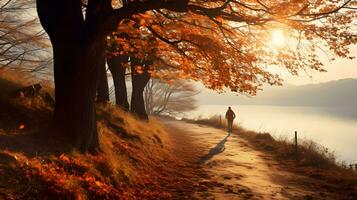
(139, 81)
(75, 113)
(76, 49)
(148, 96)
(102, 89)
(78, 46)
(117, 68)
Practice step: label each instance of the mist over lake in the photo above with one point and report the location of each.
(332, 127)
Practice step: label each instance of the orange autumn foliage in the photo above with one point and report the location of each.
(22, 126)
(225, 44)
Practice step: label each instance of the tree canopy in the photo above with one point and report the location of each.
(22, 43)
(222, 43)
(226, 44)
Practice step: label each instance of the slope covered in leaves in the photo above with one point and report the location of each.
(135, 161)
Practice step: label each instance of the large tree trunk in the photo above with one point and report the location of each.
(77, 49)
(118, 69)
(102, 89)
(139, 80)
(74, 113)
(78, 44)
(84, 92)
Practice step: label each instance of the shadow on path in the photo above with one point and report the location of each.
(219, 148)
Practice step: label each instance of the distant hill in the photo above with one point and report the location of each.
(334, 93)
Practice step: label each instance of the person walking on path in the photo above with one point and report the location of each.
(230, 115)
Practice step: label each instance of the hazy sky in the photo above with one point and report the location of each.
(338, 69)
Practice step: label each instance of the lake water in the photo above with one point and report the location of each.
(334, 128)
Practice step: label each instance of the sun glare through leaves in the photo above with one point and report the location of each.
(278, 38)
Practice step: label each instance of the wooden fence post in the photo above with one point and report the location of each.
(220, 120)
(296, 146)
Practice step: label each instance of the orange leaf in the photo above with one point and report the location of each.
(64, 158)
(98, 183)
(170, 81)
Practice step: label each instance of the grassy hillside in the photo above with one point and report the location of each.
(135, 161)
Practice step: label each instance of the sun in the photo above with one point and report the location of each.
(278, 38)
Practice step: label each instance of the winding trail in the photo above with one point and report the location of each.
(234, 169)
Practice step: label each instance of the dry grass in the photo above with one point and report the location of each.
(312, 159)
(309, 152)
(12, 80)
(126, 167)
(36, 164)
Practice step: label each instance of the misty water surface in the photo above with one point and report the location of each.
(335, 128)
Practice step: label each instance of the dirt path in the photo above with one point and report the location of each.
(234, 169)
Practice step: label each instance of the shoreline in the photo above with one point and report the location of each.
(332, 128)
(215, 122)
(240, 169)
